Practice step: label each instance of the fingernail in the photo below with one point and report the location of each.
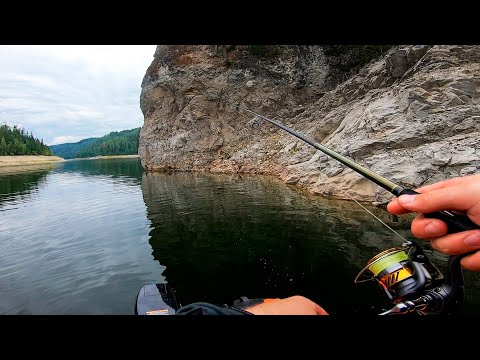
(472, 239)
(431, 229)
(407, 199)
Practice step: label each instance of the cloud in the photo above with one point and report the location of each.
(73, 91)
(65, 139)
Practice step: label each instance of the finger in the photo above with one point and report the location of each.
(394, 207)
(441, 199)
(457, 243)
(317, 308)
(471, 262)
(320, 311)
(426, 228)
(443, 184)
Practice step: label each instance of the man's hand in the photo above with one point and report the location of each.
(294, 305)
(463, 194)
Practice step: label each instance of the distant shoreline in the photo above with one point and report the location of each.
(102, 157)
(18, 160)
(117, 156)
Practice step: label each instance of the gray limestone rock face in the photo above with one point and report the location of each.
(412, 115)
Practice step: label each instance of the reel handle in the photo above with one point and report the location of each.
(455, 220)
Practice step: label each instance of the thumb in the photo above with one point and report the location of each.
(411, 202)
(441, 199)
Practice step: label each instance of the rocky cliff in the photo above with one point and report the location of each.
(412, 116)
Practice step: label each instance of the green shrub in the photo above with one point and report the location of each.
(266, 51)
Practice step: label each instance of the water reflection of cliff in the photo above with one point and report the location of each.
(224, 236)
(121, 168)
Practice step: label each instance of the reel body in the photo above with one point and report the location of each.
(411, 281)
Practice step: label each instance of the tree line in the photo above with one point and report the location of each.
(16, 141)
(115, 143)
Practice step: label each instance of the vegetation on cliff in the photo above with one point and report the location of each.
(344, 60)
(348, 58)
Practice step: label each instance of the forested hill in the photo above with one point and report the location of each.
(70, 150)
(116, 143)
(16, 141)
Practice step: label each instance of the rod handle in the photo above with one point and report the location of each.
(455, 220)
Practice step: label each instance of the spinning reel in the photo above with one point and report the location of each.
(413, 283)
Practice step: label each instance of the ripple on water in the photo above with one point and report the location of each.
(84, 237)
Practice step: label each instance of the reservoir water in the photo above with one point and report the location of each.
(83, 236)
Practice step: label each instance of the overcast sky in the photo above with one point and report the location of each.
(66, 93)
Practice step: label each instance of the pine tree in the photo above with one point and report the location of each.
(16, 141)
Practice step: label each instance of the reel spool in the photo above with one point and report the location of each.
(403, 273)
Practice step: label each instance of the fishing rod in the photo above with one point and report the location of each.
(456, 221)
(411, 281)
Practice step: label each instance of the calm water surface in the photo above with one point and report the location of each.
(82, 237)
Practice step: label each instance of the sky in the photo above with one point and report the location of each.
(66, 93)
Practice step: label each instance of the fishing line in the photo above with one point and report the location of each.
(407, 242)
